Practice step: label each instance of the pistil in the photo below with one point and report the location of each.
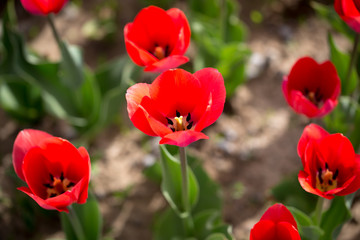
(58, 185)
(159, 52)
(179, 122)
(314, 97)
(326, 180)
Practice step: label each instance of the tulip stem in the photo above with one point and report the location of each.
(354, 54)
(188, 224)
(185, 178)
(75, 222)
(318, 210)
(53, 28)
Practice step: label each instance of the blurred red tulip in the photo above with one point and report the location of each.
(312, 89)
(56, 172)
(158, 39)
(177, 105)
(331, 166)
(277, 223)
(43, 7)
(349, 11)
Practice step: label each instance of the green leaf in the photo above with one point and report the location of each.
(341, 62)
(89, 217)
(168, 226)
(71, 66)
(306, 227)
(171, 185)
(290, 193)
(216, 236)
(333, 219)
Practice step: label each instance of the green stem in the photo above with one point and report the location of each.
(73, 218)
(188, 223)
(354, 54)
(11, 13)
(184, 178)
(53, 28)
(318, 210)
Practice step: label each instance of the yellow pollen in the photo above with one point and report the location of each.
(159, 52)
(58, 186)
(325, 180)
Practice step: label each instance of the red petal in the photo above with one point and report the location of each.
(166, 63)
(183, 30)
(286, 231)
(263, 230)
(279, 213)
(54, 156)
(60, 206)
(312, 132)
(182, 138)
(153, 26)
(177, 90)
(138, 54)
(24, 141)
(43, 7)
(213, 85)
(305, 183)
(135, 96)
(302, 105)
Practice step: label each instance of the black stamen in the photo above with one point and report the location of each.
(53, 195)
(306, 91)
(51, 177)
(177, 114)
(326, 166)
(330, 182)
(167, 50)
(172, 129)
(319, 175)
(317, 92)
(62, 176)
(189, 125)
(169, 121)
(188, 117)
(71, 184)
(335, 174)
(48, 185)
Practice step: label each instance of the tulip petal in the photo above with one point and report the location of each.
(182, 27)
(286, 231)
(263, 230)
(24, 141)
(176, 90)
(213, 84)
(312, 132)
(304, 181)
(182, 138)
(139, 55)
(43, 7)
(166, 63)
(279, 213)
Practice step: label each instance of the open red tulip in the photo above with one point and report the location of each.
(312, 89)
(178, 105)
(349, 11)
(331, 166)
(158, 39)
(56, 172)
(277, 223)
(43, 7)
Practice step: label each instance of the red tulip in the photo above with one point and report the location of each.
(177, 105)
(43, 7)
(277, 223)
(56, 172)
(349, 11)
(312, 89)
(158, 39)
(331, 166)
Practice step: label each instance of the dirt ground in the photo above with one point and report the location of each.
(260, 134)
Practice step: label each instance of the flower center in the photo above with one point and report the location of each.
(180, 123)
(315, 97)
(58, 185)
(326, 180)
(160, 52)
